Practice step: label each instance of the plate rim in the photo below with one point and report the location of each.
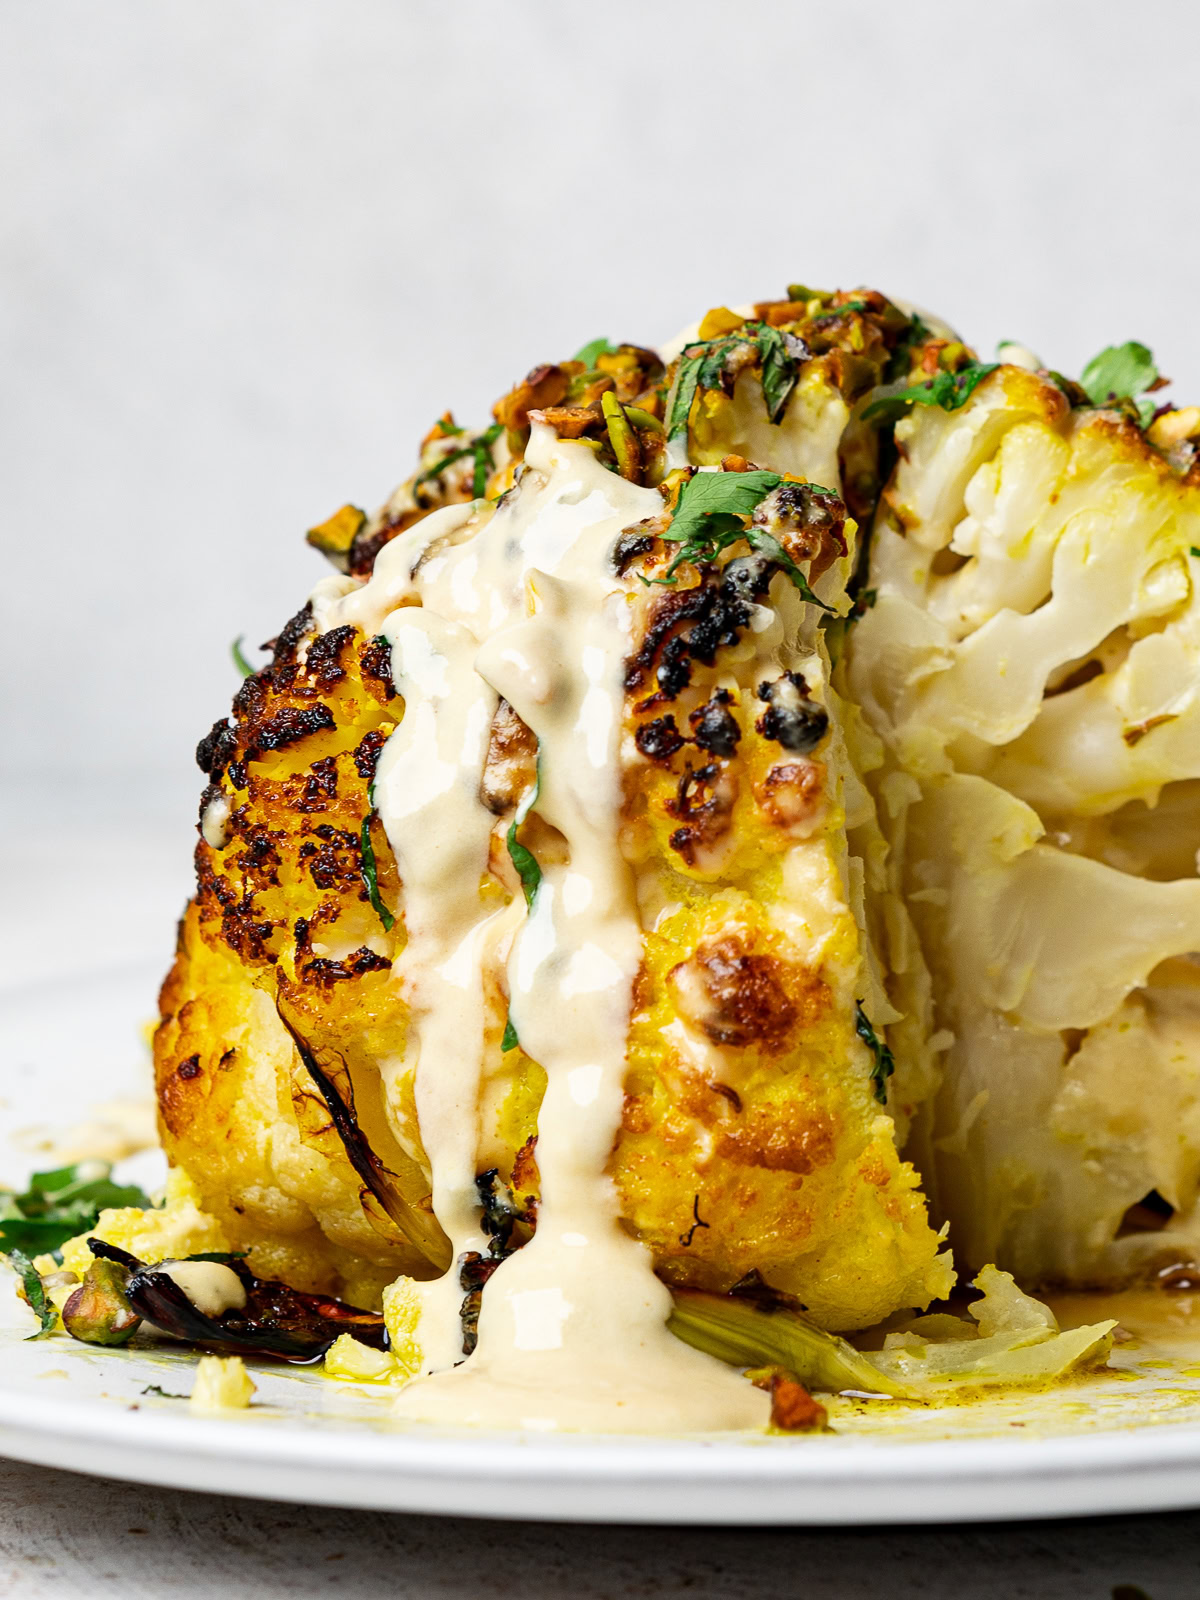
(619, 1477)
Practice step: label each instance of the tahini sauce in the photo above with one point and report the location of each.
(520, 600)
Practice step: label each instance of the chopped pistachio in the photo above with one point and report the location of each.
(621, 436)
(98, 1312)
(334, 537)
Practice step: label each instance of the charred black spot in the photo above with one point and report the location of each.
(325, 971)
(377, 664)
(289, 725)
(290, 636)
(798, 726)
(628, 548)
(366, 755)
(237, 774)
(660, 739)
(474, 1270)
(717, 613)
(674, 671)
(217, 748)
(320, 786)
(367, 546)
(188, 1069)
(714, 726)
(251, 699)
(324, 656)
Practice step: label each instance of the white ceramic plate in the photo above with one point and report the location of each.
(1124, 1441)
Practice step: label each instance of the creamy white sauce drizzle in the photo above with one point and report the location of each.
(522, 601)
(211, 1286)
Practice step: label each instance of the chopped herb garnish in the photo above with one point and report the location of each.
(510, 1040)
(1195, 550)
(950, 390)
(34, 1293)
(61, 1203)
(593, 350)
(840, 311)
(884, 1062)
(703, 366)
(779, 368)
(370, 875)
(711, 507)
(710, 516)
(163, 1394)
(480, 449)
(239, 658)
(759, 539)
(1122, 372)
(522, 859)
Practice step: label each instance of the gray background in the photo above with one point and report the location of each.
(248, 251)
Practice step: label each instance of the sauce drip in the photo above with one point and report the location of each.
(522, 601)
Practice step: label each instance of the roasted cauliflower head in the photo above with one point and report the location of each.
(304, 1035)
(720, 828)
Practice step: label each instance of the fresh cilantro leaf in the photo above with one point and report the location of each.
(510, 1040)
(779, 368)
(718, 495)
(370, 875)
(884, 1062)
(523, 859)
(1122, 372)
(239, 658)
(593, 350)
(950, 390)
(687, 381)
(34, 1293)
(710, 516)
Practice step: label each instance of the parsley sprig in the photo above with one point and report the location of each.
(1122, 372)
(711, 515)
(949, 390)
(703, 366)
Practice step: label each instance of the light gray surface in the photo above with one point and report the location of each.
(66, 1536)
(248, 252)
